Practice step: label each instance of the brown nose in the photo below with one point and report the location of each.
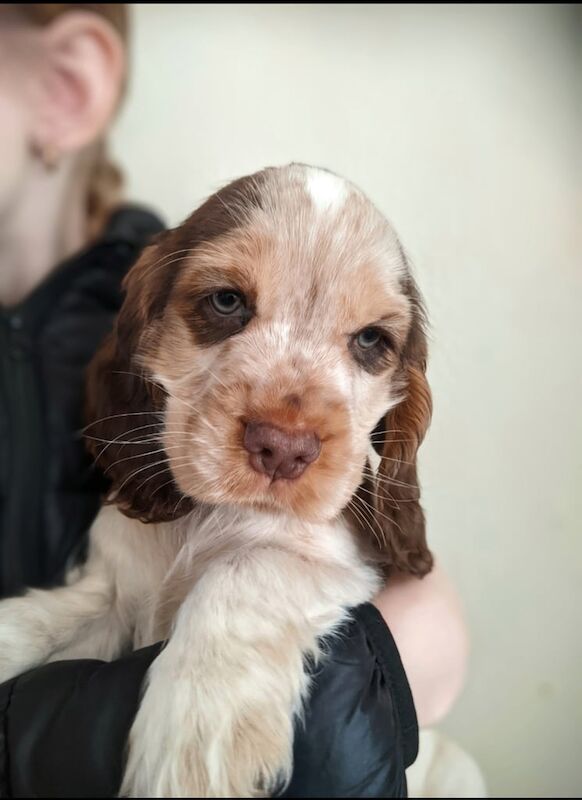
(279, 454)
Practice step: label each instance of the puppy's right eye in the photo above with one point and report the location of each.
(226, 302)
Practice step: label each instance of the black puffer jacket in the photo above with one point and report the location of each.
(63, 727)
(49, 493)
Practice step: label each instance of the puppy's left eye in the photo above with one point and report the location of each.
(371, 348)
(226, 302)
(368, 338)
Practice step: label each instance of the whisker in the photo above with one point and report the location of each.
(392, 441)
(159, 263)
(385, 433)
(388, 497)
(376, 511)
(181, 500)
(212, 427)
(164, 428)
(117, 416)
(132, 475)
(148, 440)
(389, 480)
(123, 433)
(367, 470)
(159, 385)
(166, 483)
(367, 523)
(216, 378)
(375, 495)
(142, 455)
(180, 461)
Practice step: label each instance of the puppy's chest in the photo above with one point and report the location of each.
(155, 611)
(167, 577)
(157, 566)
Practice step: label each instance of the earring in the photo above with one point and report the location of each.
(50, 156)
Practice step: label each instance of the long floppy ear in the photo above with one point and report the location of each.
(125, 407)
(392, 498)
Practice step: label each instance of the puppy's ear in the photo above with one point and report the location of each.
(390, 502)
(125, 407)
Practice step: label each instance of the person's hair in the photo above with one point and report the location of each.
(105, 181)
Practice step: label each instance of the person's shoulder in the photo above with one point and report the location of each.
(134, 225)
(101, 267)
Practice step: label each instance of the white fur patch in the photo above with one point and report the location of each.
(327, 191)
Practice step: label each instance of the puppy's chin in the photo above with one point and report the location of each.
(311, 497)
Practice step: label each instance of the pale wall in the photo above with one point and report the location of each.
(460, 123)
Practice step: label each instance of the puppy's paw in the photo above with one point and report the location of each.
(201, 736)
(20, 648)
(9, 668)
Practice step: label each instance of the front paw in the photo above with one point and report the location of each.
(19, 648)
(9, 668)
(201, 736)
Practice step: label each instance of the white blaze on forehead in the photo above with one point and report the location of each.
(327, 191)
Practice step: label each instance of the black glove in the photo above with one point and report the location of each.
(64, 726)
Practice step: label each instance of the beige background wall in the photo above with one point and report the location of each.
(463, 124)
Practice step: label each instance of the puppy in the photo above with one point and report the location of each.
(257, 408)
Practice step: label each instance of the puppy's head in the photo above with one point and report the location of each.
(266, 348)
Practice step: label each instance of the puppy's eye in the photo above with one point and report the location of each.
(368, 338)
(372, 348)
(226, 302)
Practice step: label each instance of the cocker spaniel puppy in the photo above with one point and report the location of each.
(258, 409)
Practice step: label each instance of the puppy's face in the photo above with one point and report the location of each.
(276, 322)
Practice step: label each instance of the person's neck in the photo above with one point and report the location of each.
(44, 226)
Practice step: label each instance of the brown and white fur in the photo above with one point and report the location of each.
(241, 569)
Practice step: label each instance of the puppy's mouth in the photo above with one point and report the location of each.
(297, 464)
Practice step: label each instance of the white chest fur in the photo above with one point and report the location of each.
(154, 567)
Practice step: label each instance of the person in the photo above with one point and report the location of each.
(66, 241)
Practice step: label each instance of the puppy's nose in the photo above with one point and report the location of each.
(279, 454)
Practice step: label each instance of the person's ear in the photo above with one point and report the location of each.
(79, 83)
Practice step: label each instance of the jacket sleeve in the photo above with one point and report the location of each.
(64, 726)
